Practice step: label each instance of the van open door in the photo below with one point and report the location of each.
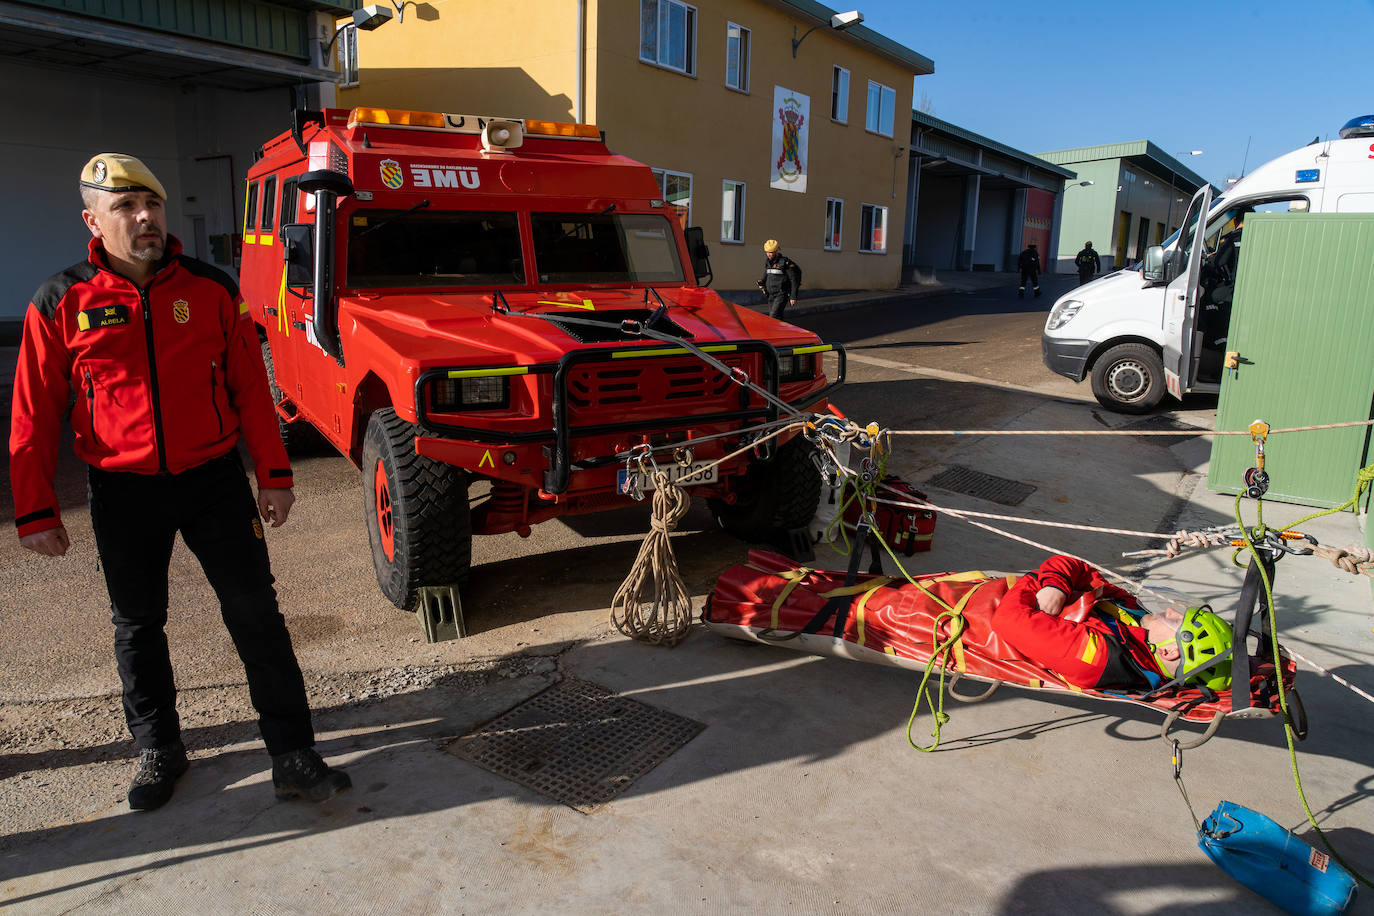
(1181, 299)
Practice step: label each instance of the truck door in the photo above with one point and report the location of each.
(1181, 299)
(283, 302)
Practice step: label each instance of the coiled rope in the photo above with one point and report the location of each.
(652, 604)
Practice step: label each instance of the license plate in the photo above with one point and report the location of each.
(684, 476)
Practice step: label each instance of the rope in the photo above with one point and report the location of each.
(1116, 432)
(1355, 560)
(667, 618)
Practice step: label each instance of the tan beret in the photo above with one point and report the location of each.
(118, 172)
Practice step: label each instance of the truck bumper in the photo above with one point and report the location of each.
(1068, 358)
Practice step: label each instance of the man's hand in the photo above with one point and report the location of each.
(1050, 600)
(274, 505)
(50, 543)
(791, 301)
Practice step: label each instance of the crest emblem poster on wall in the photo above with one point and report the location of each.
(788, 166)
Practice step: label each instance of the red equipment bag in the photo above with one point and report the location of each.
(905, 530)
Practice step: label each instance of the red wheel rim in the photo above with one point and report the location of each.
(381, 494)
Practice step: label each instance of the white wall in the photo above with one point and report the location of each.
(57, 119)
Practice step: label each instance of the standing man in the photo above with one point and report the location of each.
(1088, 263)
(159, 359)
(1029, 262)
(781, 279)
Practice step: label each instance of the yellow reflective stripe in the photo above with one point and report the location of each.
(1090, 652)
(479, 373)
(243, 307)
(265, 239)
(802, 351)
(671, 351)
(283, 325)
(250, 239)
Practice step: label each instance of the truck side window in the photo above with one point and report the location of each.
(250, 213)
(288, 202)
(269, 203)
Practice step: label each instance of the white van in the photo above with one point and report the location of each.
(1162, 325)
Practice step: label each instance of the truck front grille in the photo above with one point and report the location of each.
(638, 389)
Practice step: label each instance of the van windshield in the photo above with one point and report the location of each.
(396, 248)
(604, 248)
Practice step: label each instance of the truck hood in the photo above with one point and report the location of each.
(1120, 294)
(463, 329)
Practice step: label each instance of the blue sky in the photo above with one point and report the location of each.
(1206, 74)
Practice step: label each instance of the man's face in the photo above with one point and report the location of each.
(1162, 630)
(132, 225)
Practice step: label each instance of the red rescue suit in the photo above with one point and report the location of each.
(1079, 643)
(91, 331)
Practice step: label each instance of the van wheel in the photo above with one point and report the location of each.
(299, 437)
(416, 511)
(775, 496)
(1129, 378)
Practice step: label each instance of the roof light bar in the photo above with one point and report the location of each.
(396, 117)
(563, 129)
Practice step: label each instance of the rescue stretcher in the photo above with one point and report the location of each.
(889, 621)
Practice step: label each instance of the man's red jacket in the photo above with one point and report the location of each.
(165, 378)
(1073, 644)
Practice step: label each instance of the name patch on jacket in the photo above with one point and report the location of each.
(106, 316)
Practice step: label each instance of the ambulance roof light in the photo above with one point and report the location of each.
(563, 129)
(1362, 126)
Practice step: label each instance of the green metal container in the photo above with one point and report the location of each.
(1303, 324)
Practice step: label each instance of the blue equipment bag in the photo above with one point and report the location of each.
(1274, 863)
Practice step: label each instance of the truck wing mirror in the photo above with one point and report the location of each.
(700, 253)
(298, 243)
(1153, 269)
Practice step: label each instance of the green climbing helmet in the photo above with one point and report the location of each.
(1202, 636)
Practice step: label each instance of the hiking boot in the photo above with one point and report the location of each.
(304, 774)
(157, 773)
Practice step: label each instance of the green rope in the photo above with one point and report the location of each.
(960, 623)
(1362, 479)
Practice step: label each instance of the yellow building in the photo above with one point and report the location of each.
(753, 136)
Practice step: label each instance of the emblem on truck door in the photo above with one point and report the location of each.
(392, 176)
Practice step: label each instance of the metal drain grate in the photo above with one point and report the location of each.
(960, 479)
(577, 743)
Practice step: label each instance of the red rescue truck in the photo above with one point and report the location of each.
(493, 306)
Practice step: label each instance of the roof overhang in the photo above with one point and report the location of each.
(49, 38)
(811, 13)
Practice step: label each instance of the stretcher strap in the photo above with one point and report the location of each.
(794, 578)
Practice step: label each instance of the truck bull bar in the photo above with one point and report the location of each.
(560, 436)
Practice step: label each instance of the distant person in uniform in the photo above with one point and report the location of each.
(1088, 263)
(781, 280)
(1029, 262)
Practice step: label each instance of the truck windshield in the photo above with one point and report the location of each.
(604, 248)
(392, 248)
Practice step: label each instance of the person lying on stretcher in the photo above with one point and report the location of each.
(1065, 617)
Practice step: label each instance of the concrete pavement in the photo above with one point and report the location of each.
(801, 793)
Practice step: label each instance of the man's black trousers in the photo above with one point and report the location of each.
(136, 518)
(778, 302)
(1084, 276)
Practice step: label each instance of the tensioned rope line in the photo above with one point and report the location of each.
(1116, 432)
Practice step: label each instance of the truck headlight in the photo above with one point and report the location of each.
(485, 392)
(796, 367)
(1062, 314)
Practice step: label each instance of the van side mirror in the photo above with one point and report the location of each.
(1152, 270)
(298, 244)
(700, 253)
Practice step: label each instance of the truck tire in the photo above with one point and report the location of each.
(1129, 378)
(416, 512)
(776, 496)
(299, 437)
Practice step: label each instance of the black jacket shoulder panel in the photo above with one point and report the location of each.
(209, 272)
(57, 286)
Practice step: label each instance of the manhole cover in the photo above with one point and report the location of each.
(577, 743)
(994, 489)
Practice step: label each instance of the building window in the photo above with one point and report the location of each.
(834, 218)
(882, 105)
(668, 35)
(737, 57)
(873, 229)
(677, 192)
(347, 51)
(839, 95)
(732, 211)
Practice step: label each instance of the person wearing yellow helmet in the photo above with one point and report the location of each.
(781, 280)
(1066, 618)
